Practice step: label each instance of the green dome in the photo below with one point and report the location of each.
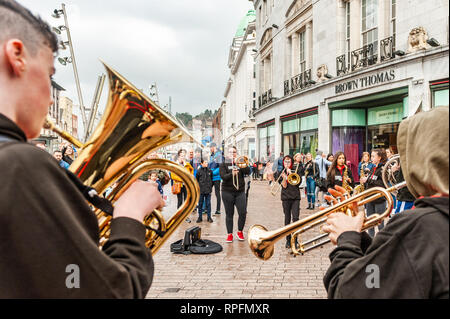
(249, 17)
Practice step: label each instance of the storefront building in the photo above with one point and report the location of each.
(353, 98)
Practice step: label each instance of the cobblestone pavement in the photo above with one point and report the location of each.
(236, 272)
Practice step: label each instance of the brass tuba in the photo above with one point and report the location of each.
(132, 126)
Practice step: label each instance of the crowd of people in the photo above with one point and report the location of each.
(47, 227)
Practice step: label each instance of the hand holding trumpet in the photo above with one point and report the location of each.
(339, 222)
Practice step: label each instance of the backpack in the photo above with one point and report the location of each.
(193, 244)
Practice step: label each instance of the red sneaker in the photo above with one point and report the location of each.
(229, 238)
(240, 235)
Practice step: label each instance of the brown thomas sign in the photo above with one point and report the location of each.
(365, 81)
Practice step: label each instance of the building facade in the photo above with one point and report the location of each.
(340, 75)
(240, 92)
(55, 112)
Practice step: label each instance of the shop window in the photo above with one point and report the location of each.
(440, 97)
(266, 142)
(385, 114)
(382, 136)
(291, 143)
(309, 142)
(351, 141)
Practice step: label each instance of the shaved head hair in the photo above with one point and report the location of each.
(17, 22)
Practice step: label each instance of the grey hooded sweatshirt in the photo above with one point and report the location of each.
(409, 258)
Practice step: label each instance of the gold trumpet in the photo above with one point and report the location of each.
(131, 127)
(261, 241)
(241, 162)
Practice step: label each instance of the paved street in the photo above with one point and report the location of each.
(236, 272)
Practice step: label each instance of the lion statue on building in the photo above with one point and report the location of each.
(417, 40)
(322, 71)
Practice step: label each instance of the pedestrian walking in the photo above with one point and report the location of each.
(375, 179)
(233, 197)
(312, 174)
(405, 199)
(337, 171)
(58, 156)
(153, 179)
(321, 186)
(290, 194)
(204, 177)
(215, 159)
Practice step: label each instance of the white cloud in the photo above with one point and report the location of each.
(181, 45)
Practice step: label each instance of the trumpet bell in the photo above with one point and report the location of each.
(256, 242)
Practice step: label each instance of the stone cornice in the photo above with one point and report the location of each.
(409, 58)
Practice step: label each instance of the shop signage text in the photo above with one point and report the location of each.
(365, 81)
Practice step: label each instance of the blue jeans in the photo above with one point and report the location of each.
(311, 190)
(204, 198)
(401, 206)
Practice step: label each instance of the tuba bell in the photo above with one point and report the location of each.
(131, 127)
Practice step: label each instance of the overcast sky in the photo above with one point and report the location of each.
(182, 45)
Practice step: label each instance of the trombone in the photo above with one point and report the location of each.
(293, 179)
(276, 186)
(241, 162)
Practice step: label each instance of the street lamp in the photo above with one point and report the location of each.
(57, 13)
(65, 60)
(59, 29)
(63, 44)
(433, 42)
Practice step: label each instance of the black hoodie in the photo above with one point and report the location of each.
(410, 254)
(48, 234)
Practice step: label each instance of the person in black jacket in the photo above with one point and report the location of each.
(405, 200)
(409, 258)
(290, 194)
(312, 174)
(375, 179)
(336, 172)
(231, 196)
(204, 177)
(49, 235)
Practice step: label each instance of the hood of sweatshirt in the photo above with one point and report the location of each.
(423, 145)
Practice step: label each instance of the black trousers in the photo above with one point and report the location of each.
(181, 196)
(217, 192)
(291, 210)
(230, 200)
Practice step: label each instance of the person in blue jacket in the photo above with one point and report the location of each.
(215, 159)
